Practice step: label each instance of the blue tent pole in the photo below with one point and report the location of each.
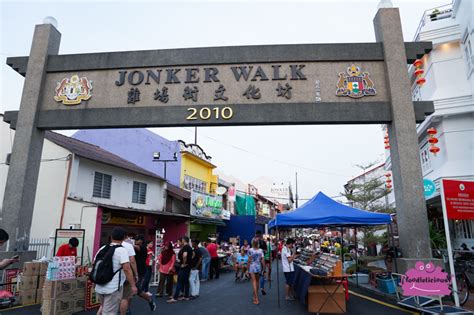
(357, 250)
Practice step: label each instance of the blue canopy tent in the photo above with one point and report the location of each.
(324, 211)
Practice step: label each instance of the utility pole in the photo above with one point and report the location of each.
(296, 190)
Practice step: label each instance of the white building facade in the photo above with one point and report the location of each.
(448, 70)
(82, 186)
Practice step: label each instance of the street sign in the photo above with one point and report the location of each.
(459, 199)
(430, 187)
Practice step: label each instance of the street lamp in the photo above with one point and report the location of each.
(156, 158)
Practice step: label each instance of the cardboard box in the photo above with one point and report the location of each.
(81, 283)
(78, 294)
(43, 269)
(41, 280)
(28, 297)
(39, 296)
(28, 283)
(78, 305)
(31, 268)
(326, 299)
(58, 288)
(57, 307)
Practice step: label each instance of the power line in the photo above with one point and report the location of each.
(65, 158)
(272, 159)
(283, 198)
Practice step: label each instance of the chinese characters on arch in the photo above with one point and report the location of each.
(219, 85)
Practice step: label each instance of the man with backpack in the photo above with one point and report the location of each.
(111, 268)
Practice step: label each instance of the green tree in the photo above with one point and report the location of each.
(368, 192)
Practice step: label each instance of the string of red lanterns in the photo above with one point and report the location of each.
(433, 140)
(388, 181)
(420, 80)
(386, 141)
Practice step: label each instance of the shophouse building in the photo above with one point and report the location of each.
(185, 166)
(83, 186)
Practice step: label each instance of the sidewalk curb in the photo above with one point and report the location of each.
(389, 298)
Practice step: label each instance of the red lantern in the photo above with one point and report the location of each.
(433, 140)
(434, 149)
(388, 186)
(420, 81)
(388, 175)
(432, 131)
(419, 72)
(418, 63)
(389, 180)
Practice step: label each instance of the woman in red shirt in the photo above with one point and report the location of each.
(166, 262)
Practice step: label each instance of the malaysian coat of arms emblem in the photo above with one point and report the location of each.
(74, 90)
(355, 84)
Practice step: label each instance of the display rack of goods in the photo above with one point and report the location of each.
(305, 257)
(326, 265)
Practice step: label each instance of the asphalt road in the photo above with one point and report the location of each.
(224, 296)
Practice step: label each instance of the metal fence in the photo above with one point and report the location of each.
(41, 246)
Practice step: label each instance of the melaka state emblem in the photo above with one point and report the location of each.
(74, 90)
(355, 84)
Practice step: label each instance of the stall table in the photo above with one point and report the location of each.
(322, 294)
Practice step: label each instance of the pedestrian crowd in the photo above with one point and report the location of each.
(123, 268)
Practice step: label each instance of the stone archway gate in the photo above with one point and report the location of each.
(357, 83)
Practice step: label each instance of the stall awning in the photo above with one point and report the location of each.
(158, 213)
(324, 211)
(208, 221)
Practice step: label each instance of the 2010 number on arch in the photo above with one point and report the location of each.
(206, 113)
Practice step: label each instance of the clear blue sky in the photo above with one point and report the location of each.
(324, 156)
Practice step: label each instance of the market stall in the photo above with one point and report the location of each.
(319, 280)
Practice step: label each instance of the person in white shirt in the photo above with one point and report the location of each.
(287, 258)
(127, 292)
(110, 293)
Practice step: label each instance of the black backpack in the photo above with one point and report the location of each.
(103, 268)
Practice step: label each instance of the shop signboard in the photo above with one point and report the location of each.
(280, 189)
(206, 206)
(64, 235)
(263, 208)
(429, 187)
(158, 247)
(459, 199)
(225, 214)
(116, 218)
(10, 278)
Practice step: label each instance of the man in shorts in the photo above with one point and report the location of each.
(110, 294)
(287, 258)
(127, 292)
